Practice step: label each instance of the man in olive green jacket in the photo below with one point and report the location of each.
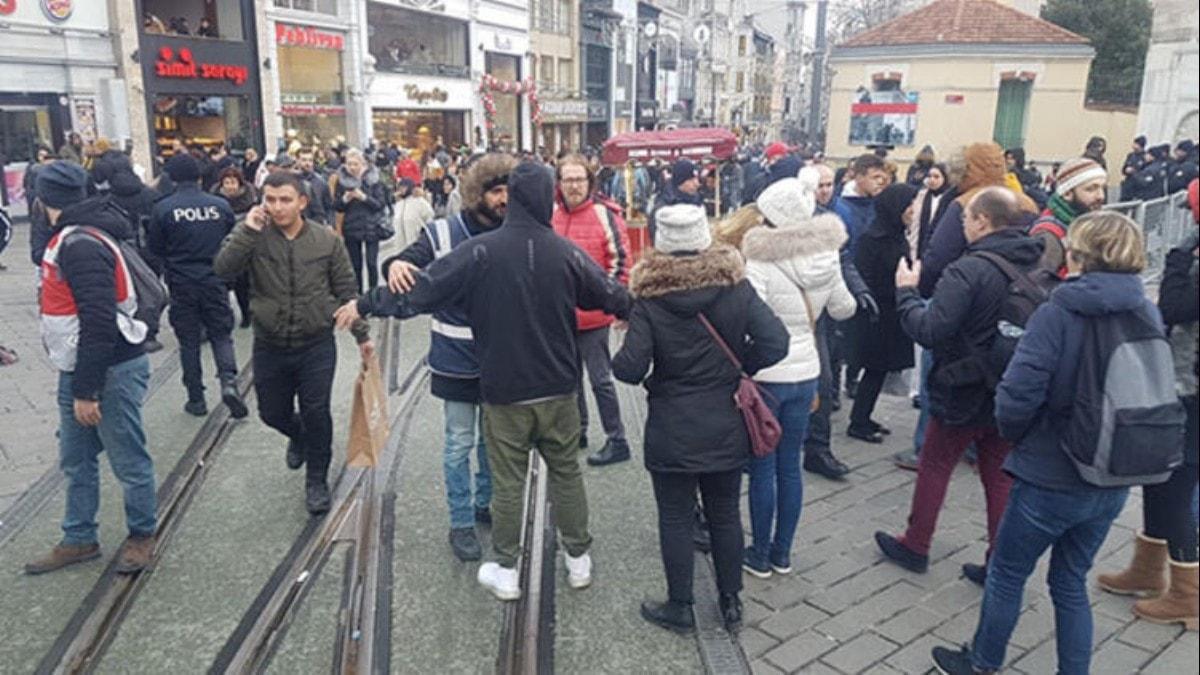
(299, 274)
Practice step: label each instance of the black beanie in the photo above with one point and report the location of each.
(182, 168)
(61, 184)
(681, 171)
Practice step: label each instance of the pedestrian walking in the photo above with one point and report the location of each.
(520, 285)
(959, 324)
(359, 197)
(86, 306)
(1167, 541)
(299, 272)
(683, 188)
(881, 346)
(792, 261)
(242, 196)
(1079, 188)
(453, 361)
(1051, 505)
(413, 211)
(598, 229)
(695, 437)
(186, 231)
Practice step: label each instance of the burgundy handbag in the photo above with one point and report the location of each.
(761, 425)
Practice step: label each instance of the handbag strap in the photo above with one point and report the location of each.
(721, 342)
(812, 319)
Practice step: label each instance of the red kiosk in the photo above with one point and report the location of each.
(639, 147)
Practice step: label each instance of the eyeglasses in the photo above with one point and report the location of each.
(567, 181)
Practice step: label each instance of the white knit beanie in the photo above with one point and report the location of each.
(788, 202)
(1076, 172)
(681, 227)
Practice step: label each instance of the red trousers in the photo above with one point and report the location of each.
(941, 452)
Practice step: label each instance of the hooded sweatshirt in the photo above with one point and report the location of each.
(794, 270)
(1035, 399)
(520, 285)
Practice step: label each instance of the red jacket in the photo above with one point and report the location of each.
(408, 168)
(603, 237)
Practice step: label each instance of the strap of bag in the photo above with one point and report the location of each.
(812, 319)
(1010, 271)
(720, 342)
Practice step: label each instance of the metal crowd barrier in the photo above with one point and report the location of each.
(1165, 222)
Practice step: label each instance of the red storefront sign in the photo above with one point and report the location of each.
(185, 68)
(8, 6)
(307, 36)
(307, 109)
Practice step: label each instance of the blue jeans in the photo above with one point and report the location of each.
(923, 368)
(121, 436)
(776, 490)
(464, 432)
(1072, 525)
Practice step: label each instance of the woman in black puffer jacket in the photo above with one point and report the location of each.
(362, 200)
(695, 437)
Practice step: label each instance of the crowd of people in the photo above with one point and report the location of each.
(1013, 301)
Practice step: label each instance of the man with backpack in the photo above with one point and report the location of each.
(971, 325)
(93, 334)
(1089, 402)
(186, 231)
(1079, 188)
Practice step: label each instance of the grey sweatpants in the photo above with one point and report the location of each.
(597, 362)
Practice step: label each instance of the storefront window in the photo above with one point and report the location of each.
(318, 6)
(507, 130)
(312, 98)
(421, 129)
(405, 41)
(219, 19)
(202, 120)
(22, 129)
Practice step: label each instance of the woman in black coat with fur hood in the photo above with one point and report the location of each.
(882, 345)
(695, 437)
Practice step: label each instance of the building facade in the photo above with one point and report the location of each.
(555, 63)
(1170, 105)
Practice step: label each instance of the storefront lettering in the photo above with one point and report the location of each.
(186, 68)
(307, 36)
(301, 110)
(415, 93)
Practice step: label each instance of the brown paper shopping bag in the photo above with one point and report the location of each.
(368, 417)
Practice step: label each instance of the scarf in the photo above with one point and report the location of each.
(1061, 209)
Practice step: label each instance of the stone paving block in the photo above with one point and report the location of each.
(1041, 659)
(783, 591)
(860, 653)
(840, 629)
(761, 667)
(909, 624)
(1034, 625)
(880, 669)
(800, 650)
(1117, 658)
(913, 657)
(1149, 636)
(754, 611)
(791, 621)
(884, 604)
(834, 570)
(959, 629)
(1181, 657)
(954, 597)
(854, 589)
(755, 642)
(1105, 628)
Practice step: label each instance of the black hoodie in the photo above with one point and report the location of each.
(89, 268)
(520, 285)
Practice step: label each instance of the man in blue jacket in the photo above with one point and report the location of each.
(186, 231)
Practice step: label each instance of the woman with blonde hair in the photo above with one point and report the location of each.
(1050, 505)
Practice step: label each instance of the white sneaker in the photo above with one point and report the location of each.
(579, 570)
(501, 581)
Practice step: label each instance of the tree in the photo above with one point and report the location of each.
(851, 17)
(1119, 31)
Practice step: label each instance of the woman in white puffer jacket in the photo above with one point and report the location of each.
(792, 261)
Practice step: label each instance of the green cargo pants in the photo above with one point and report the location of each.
(511, 431)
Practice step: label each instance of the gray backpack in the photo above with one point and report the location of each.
(1127, 424)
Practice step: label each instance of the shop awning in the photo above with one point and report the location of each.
(696, 144)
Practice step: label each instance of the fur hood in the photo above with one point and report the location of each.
(823, 234)
(659, 273)
(482, 171)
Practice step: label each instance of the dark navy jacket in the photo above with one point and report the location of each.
(858, 213)
(186, 231)
(1035, 398)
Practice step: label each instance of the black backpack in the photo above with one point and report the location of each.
(1026, 292)
(152, 296)
(1127, 423)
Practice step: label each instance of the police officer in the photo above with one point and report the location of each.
(186, 231)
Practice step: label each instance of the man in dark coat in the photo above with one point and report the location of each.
(1134, 161)
(1184, 169)
(960, 324)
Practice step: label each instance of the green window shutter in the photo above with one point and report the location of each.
(1012, 104)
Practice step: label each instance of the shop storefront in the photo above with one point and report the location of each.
(204, 90)
(312, 99)
(562, 124)
(506, 123)
(597, 123)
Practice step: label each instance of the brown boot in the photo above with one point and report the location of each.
(61, 556)
(136, 555)
(1181, 602)
(1144, 578)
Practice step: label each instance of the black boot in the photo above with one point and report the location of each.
(976, 574)
(674, 616)
(901, 554)
(823, 463)
(232, 399)
(295, 446)
(316, 498)
(612, 453)
(731, 611)
(465, 544)
(151, 345)
(196, 406)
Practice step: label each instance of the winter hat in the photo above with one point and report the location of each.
(1140, 141)
(776, 149)
(61, 184)
(1186, 146)
(682, 170)
(182, 168)
(681, 228)
(1077, 171)
(788, 202)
